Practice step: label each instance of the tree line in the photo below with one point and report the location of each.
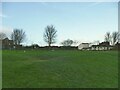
(50, 34)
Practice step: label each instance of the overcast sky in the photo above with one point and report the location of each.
(81, 21)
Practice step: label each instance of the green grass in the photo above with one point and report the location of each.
(60, 69)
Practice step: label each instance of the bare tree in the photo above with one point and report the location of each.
(18, 36)
(115, 37)
(2, 35)
(50, 35)
(108, 37)
(67, 42)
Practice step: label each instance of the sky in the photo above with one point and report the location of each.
(81, 21)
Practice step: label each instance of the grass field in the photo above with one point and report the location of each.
(62, 69)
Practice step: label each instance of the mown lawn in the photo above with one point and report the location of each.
(60, 69)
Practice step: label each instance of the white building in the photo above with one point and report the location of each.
(101, 46)
(83, 46)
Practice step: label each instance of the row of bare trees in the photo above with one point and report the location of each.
(50, 34)
(18, 35)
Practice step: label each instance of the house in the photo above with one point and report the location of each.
(7, 44)
(101, 46)
(83, 46)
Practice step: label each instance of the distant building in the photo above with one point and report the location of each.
(7, 44)
(83, 46)
(101, 46)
